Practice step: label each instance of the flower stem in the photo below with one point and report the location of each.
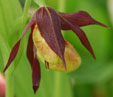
(27, 5)
(40, 2)
(9, 83)
(61, 5)
(58, 75)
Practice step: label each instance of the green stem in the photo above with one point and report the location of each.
(9, 73)
(61, 5)
(9, 83)
(26, 8)
(58, 75)
(57, 84)
(41, 3)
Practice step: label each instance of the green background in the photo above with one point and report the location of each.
(91, 79)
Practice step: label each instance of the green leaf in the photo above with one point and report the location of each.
(93, 73)
(9, 12)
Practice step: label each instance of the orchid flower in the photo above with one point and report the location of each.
(46, 41)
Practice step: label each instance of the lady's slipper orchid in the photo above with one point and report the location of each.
(47, 42)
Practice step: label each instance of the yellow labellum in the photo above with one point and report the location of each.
(45, 53)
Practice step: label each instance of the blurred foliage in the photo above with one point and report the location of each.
(93, 71)
(92, 79)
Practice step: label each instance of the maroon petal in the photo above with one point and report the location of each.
(49, 25)
(15, 49)
(13, 54)
(30, 46)
(36, 74)
(80, 18)
(31, 54)
(79, 32)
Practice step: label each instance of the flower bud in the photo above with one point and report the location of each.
(45, 53)
(2, 86)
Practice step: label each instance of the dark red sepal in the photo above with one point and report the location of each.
(80, 18)
(15, 49)
(80, 33)
(30, 46)
(31, 54)
(50, 27)
(12, 54)
(36, 74)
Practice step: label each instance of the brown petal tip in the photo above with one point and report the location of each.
(94, 57)
(98, 23)
(65, 65)
(35, 87)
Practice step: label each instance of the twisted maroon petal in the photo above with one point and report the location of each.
(31, 54)
(80, 18)
(15, 49)
(84, 40)
(50, 27)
